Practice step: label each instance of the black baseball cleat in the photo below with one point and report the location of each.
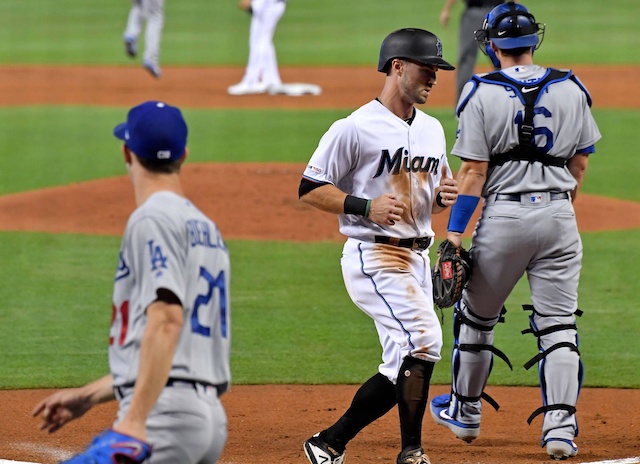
(319, 452)
(415, 456)
(130, 47)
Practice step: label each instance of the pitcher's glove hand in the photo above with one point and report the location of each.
(112, 447)
(450, 274)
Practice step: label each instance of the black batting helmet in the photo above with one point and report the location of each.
(415, 45)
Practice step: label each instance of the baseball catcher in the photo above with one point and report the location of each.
(450, 274)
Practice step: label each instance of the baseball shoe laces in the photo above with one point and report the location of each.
(415, 456)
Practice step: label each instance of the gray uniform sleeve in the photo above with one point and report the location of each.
(471, 140)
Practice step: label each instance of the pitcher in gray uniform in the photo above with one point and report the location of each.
(150, 15)
(524, 136)
(170, 331)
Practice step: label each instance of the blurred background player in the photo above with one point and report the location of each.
(471, 20)
(261, 74)
(150, 12)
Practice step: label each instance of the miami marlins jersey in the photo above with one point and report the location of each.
(168, 243)
(372, 152)
(563, 126)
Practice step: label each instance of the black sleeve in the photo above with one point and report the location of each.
(307, 185)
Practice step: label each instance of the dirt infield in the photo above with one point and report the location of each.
(267, 424)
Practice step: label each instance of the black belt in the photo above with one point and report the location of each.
(172, 381)
(418, 243)
(517, 196)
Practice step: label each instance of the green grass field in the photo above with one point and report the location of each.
(292, 319)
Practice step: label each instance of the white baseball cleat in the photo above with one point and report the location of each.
(318, 452)
(153, 68)
(560, 449)
(247, 89)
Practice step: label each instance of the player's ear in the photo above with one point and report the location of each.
(397, 65)
(184, 155)
(126, 154)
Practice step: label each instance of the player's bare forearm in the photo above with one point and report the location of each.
(387, 209)
(472, 177)
(159, 342)
(327, 197)
(577, 166)
(66, 405)
(446, 12)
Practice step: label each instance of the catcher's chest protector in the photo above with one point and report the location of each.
(529, 94)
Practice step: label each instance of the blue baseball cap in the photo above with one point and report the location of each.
(154, 131)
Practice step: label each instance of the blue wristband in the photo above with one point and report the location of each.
(461, 212)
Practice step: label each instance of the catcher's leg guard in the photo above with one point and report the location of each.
(560, 370)
(472, 361)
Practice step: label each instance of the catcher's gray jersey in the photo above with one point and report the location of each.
(562, 119)
(168, 243)
(527, 225)
(363, 155)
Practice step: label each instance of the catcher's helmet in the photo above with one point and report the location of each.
(508, 26)
(415, 45)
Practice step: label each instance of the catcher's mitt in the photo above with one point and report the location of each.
(450, 274)
(112, 447)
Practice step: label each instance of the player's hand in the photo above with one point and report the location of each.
(61, 407)
(386, 210)
(444, 18)
(448, 189)
(245, 5)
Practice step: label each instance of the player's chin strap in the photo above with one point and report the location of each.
(539, 334)
(461, 318)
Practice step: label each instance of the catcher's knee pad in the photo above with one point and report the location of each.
(559, 368)
(472, 358)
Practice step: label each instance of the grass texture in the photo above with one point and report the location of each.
(85, 149)
(292, 319)
(205, 32)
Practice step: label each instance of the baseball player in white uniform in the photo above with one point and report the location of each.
(384, 171)
(150, 12)
(525, 134)
(261, 74)
(170, 332)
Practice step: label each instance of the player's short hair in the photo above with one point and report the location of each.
(515, 51)
(170, 167)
